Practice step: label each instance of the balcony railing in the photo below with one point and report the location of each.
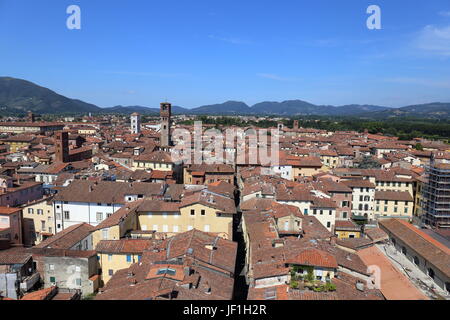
(29, 282)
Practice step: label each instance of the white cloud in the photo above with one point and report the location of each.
(445, 13)
(435, 40)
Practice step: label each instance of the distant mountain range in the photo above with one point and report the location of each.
(141, 110)
(285, 108)
(18, 96)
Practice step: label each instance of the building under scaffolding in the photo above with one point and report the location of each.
(436, 196)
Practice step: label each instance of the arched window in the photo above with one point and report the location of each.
(366, 207)
(404, 250)
(394, 242)
(416, 260)
(366, 198)
(360, 206)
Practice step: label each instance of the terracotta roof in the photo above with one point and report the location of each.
(306, 162)
(278, 210)
(9, 210)
(298, 193)
(354, 243)
(120, 215)
(44, 294)
(221, 203)
(256, 204)
(65, 296)
(262, 187)
(107, 191)
(158, 206)
(189, 266)
(19, 138)
(314, 257)
(346, 289)
(330, 186)
(313, 229)
(430, 249)
(346, 225)
(358, 183)
(376, 234)
(279, 292)
(67, 238)
(393, 195)
(14, 256)
(161, 175)
(51, 252)
(222, 187)
(123, 246)
(175, 272)
(323, 203)
(156, 156)
(211, 168)
(390, 145)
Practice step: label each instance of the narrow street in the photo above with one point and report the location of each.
(240, 285)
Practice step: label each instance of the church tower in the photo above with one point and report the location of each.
(62, 147)
(165, 113)
(135, 123)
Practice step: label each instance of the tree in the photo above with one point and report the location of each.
(369, 163)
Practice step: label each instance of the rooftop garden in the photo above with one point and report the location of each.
(307, 281)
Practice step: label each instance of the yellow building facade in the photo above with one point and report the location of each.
(39, 223)
(117, 225)
(393, 208)
(308, 171)
(330, 162)
(111, 262)
(395, 185)
(16, 145)
(195, 216)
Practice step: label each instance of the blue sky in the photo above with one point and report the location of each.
(140, 52)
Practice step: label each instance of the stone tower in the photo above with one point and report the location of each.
(280, 127)
(165, 113)
(135, 123)
(31, 117)
(62, 147)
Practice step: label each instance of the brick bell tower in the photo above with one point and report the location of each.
(62, 147)
(165, 113)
